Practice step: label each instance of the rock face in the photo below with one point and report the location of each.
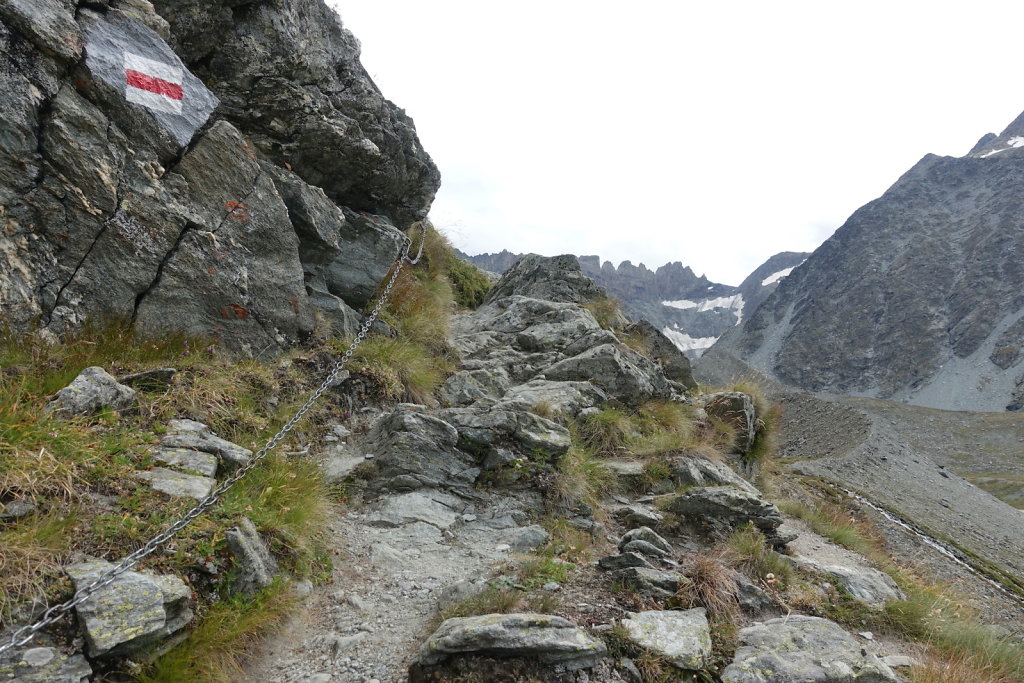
(131, 615)
(918, 297)
(552, 279)
(732, 507)
(44, 665)
(142, 176)
(539, 637)
(799, 648)
(691, 311)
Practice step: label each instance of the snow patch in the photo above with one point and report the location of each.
(771, 279)
(733, 303)
(1015, 141)
(685, 342)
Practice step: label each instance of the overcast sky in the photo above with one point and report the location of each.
(712, 133)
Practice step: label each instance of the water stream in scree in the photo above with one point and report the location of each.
(945, 549)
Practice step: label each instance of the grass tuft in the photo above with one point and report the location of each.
(747, 550)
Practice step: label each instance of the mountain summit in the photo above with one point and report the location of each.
(918, 297)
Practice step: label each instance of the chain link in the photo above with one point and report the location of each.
(51, 615)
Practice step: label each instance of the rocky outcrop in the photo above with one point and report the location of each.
(149, 183)
(917, 297)
(691, 311)
(551, 279)
(255, 567)
(731, 507)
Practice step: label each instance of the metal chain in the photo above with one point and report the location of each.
(26, 633)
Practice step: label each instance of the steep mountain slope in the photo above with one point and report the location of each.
(918, 297)
(692, 311)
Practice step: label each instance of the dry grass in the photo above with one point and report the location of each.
(581, 477)
(606, 311)
(748, 551)
(32, 554)
(961, 667)
(711, 586)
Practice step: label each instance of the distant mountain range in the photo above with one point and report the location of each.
(692, 311)
(919, 297)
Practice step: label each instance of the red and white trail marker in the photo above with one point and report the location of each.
(153, 84)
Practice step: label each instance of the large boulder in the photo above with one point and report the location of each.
(800, 648)
(132, 615)
(866, 584)
(557, 278)
(539, 637)
(90, 392)
(413, 450)
(288, 74)
(488, 424)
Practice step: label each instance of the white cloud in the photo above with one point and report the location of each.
(716, 134)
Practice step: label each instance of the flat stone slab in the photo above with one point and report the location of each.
(178, 484)
(539, 637)
(866, 584)
(806, 649)
(434, 508)
(43, 665)
(196, 436)
(683, 638)
(652, 582)
(185, 459)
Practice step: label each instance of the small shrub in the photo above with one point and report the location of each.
(710, 586)
(228, 633)
(581, 477)
(607, 311)
(607, 431)
(749, 552)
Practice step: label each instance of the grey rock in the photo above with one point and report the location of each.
(312, 105)
(339, 466)
(90, 392)
(15, 510)
(622, 373)
(801, 648)
(415, 450)
(539, 637)
(751, 598)
(384, 556)
(551, 586)
(643, 548)
(466, 386)
(49, 24)
(623, 561)
(157, 379)
(357, 603)
(637, 515)
(527, 538)
(44, 665)
(682, 638)
(730, 506)
(565, 398)
(196, 436)
(865, 584)
(131, 615)
(369, 245)
(735, 409)
(429, 506)
(648, 535)
(178, 484)
(650, 582)
(188, 460)
(255, 567)
(899, 661)
(484, 425)
(696, 470)
(557, 278)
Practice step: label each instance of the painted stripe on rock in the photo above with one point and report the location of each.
(152, 100)
(142, 81)
(165, 72)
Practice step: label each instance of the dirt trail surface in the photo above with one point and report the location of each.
(368, 622)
